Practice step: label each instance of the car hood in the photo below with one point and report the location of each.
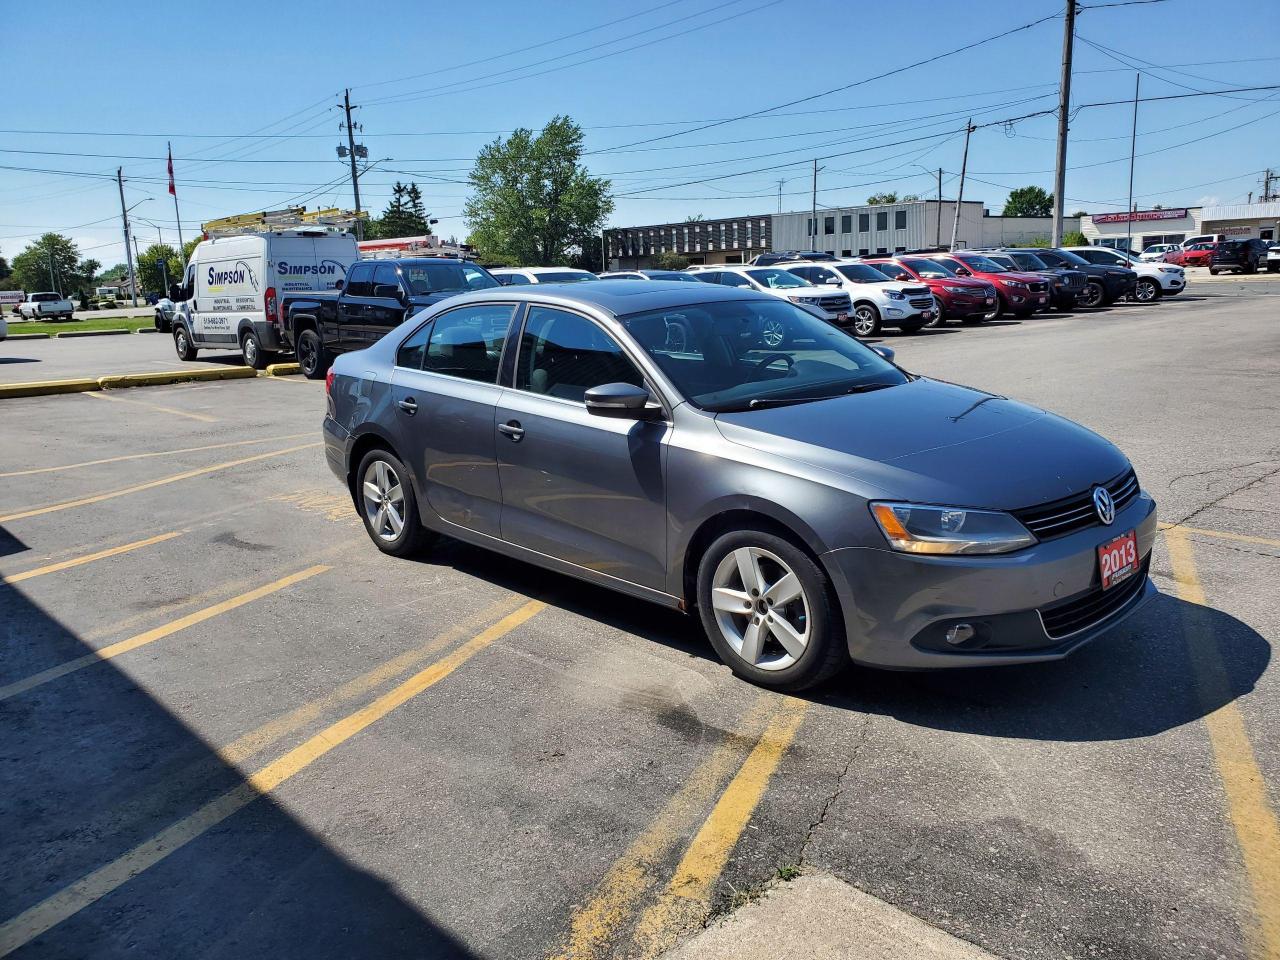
(935, 442)
(977, 285)
(1020, 276)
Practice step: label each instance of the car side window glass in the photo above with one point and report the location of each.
(360, 280)
(385, 276)
(516, 280)
(821, 275)
(414, 348)
(564, 355)
(1051, 259)
(467, 342)
(734, 280)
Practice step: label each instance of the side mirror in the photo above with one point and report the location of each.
(625, 401)
(963, 272)
(831, 282)
(886, 352)
(503, 279)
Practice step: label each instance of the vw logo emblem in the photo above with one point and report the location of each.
(1104, 505)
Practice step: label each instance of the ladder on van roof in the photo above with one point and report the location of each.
(290, 218)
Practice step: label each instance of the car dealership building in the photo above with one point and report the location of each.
(1148, 227)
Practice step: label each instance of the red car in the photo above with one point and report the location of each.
(1196, 255)
(1020, 294)
(959, 298)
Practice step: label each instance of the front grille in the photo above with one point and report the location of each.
(1093, 607)
(837, 302)
(1072, 279)
(915, 291)
(1061, 517)
(921, 303)
(1038, 286)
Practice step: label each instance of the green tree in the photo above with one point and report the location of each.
(1075, 239)
(1029, 201)
(1080, 213)
(533, 201)
(115, 274)
(911, 198)
(52, 263)
(670, 261)
(1038, 242)
(188, 247)
(694, 218)
(882, 198)
(5, 269)
(150, 275)
(405, 215)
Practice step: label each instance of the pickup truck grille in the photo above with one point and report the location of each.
(1070, 514)
(921, 303)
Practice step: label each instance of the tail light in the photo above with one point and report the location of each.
(328, 382)
(272, 306)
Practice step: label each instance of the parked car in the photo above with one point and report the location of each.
(813, 504)
(164, 314)
(1065, 284)
(1196, 255)
(676, 275)
(1273, 258)
(4, 327)
(1104, 284)
(11, 299)
(377, 297)
(1246, 255)
(231, 296)
(1020, 294)
(521, 276)
(1202, 238)
(875, 299)
(1155, 253)
(46, 306)
(775, 257)
(833, 306)
(958, 298)
(1154, 280)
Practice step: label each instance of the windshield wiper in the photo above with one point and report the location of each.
(760, 403)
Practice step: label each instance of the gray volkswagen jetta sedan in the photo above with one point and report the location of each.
(729, 452)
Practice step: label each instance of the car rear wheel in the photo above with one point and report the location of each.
(1094, 295)
(866, 320)
(1147, 290)
(770, 611)
(311, 355)
(388, 507)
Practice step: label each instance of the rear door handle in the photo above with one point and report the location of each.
(408, 405)
(512, 429)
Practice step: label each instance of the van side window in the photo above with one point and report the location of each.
(360, 280)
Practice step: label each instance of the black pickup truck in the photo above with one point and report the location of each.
(377, 296)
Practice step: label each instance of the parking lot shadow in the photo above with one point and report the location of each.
(87, 759)
(1140, 680)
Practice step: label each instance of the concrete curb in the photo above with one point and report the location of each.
(42, 388)
(282, 369)
(91, 333)
(29, 336)
(118, 381)
(146, 330)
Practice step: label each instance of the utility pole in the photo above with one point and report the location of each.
(815, 204)
(1064, 107)
(182, 252)
(964, 165)
(1133, 146)
(1267, 195)
(938, 240)
(780, 183)
(128, 251)
(53, 279)
(351, 148)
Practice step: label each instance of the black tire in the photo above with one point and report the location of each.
(865, 321)
(1093, 296)
(251, 350)
(1023, 314)
(1273, 268)
(974, 320)
(413, 538)
(824, 655)
(1249, 267)
(1213, 271)
(182, 343)
(1147, 290)
(912, 327)
(938, 319)
(312, 356)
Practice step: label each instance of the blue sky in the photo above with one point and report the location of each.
(651, 86)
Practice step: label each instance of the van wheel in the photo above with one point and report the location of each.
(251, 350)
(182, 343)
(770, 611)
(384, 494)
(311, 355)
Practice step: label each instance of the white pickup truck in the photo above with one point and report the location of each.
(46, 306)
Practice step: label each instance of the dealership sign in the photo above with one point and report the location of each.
(1139, 215)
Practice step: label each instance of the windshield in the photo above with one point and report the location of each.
(776, 279)
(983, 264)
(740, 354)
(672, 275)
(1029, 261)
(426, 277)
(928, 270)
(861, 273)
(566, 276)
(1071, 258)
(894, 271)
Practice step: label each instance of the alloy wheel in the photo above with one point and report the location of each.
(864, 321)
(1145, 292)
(383, 500)
(308, 355)
(761, 608)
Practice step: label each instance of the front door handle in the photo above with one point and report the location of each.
(408, 405)
(512, 429)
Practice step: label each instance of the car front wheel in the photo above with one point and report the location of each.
(866, 320)
(1094, 295)
(1147, 291)
(770, 611)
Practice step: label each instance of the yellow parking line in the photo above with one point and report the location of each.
(1248, 807)
(158, 633)
(33, 922)
(187, 475)
(203, 418)
(596, 925)
(688, 893)
(158, 453)
(1222, 534)
(89, 558)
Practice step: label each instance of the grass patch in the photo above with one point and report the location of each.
(89, 323)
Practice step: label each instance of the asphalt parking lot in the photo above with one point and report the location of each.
(234, 729)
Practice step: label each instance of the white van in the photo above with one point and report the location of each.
(230, 295)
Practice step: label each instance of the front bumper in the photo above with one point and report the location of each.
(897, 606)
(967, 305)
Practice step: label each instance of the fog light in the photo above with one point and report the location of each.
(960, 633)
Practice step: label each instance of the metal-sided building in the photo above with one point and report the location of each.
(730, 240)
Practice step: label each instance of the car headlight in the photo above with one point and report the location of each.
(957, 289)
(1018, 283)
(1170, 269)
(911, 528)
(896, 295)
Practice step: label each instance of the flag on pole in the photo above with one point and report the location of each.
(172, 189)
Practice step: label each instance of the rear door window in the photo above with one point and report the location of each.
(466, 342)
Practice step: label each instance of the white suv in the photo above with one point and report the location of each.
(1155, 280)
(877, 300)
(833, 306)
(521, 276)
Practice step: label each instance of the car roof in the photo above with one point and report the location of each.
(618, 297)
